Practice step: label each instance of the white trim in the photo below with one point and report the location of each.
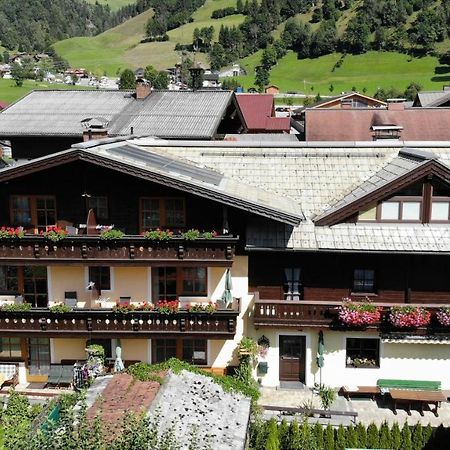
(208, 354)
(209, 291)
(49, 285)
(149, 284)
(149, 351)
(87, 280)
(308, 355)
(52, 351)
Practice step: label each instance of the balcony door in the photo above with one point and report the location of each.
(292, 358)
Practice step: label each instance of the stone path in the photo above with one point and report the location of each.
(368, 410)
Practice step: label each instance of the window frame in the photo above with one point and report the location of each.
(2, 348)
(179, 348)
(355, 291)
(40, 363)
(439, 199)
(96, 208)
(162, 213)
(288, 293)
(401, 200)
(359, 348)
(88, 278)
(33, 210)
(180, 292)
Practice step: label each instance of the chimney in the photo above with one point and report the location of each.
(396, 104)
(143, 89)
(94, 129)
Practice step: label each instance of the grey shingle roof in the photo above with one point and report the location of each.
(318, 178)
(433, 98)
(163, 113)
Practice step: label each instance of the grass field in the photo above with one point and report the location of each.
(120, 47)
(9, 92)
(371, 71)
(113, 4)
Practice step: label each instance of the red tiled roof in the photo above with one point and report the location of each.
(258, 111)
(419, 124)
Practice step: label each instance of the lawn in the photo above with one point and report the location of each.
(113, 4)
(371, 71)
(9, 92)
(120, 47)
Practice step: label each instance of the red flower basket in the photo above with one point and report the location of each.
(359, 314)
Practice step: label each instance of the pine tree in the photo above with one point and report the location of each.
(352, 437)
(283, 435)
(417, 437)
(406, 438)
(295, 438)
(309, 442)
(318, 435)
(372, 436)
(396, 437)
(385, 436)
(427, 435)
(273, 442)
(362, 435)
(340, 438)
(328, 439)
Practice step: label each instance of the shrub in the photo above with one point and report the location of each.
(385, 436)
(373, 437)
(318, 432)
(427, 435)
(109, 235)
(352, 437)
(328, 439)
(396, 437)
(341, 441)
(295, 437)
(273, 442)
(362, 435)
(327, 396)
(283, 434)
(96, 350)
(406, 438)
(417, 436)
(60, 308)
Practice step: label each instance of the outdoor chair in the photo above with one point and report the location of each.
(54, 375)
(9, 375)
(66, 375)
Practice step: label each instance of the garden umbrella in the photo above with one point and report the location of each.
(118, 364)
(319, 358)
(227, 297)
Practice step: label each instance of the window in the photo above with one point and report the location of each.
(362, 352)
(105, 343)
(10, 348)
(168, 283)
(39, 350)
(440, 211)
(33, 211)
(162, 212)
(292, 283)
(29, 281)
(101, 276)
(364, 281)
(194, 351)
(406, 210)
(99, 205)
(164, 349)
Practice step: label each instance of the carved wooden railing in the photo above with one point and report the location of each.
(97, 322)
(37, 249)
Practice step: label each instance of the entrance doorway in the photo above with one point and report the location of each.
(292, 358)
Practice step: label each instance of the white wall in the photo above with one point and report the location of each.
(405, 361)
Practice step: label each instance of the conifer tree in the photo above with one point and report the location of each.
(396, 437)
(385, 436)
(295, 438)
(373, 437)
(427, 435)
(273, 442)
(283, 435)
(417, 437)
(318, 435)
(362, 435)
(352, 437)
(406, 438)
(340, 438)
(328, 439)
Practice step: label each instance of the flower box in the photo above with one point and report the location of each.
(409, 316)
(358, 314)
(443, 316)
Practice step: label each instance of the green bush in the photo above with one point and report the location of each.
(396, 437)
(273, 442)
(328, 439)
(60, 308)
(362, 435)
(109, 235)
(417, 436)
(283, 434)
(295, 437)
(373, 437)
(406, 438)
(385, 436)
(352, 437)
(318, 433)
(16, 307)
(341, 441)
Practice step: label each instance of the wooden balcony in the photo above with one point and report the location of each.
(324, 314)
(109, 324)
(31, 249)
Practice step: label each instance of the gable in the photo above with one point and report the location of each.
(402, 173)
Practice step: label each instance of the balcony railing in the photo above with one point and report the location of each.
(324, 314)
(106, 323)
(217, 251)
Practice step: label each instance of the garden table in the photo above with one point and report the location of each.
(419, 397)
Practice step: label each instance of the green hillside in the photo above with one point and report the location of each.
(370, 71)
(113, 4)
(120, 47)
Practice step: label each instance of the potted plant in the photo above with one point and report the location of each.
(248, 347)
(54, 234)
(443, 316)
(158, 235)
(358, 313)
(327, 396)
(11, 233)
(111, 235)
(409, 316)
(208, 308)
(60, 308)
(167, 306)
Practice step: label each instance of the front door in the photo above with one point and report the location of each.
(292, 358)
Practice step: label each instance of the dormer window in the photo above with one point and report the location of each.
(386, 132)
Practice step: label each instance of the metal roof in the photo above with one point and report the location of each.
(433, 98)
(170, 114)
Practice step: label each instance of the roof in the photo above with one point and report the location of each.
(259, 113)
(168, 114)
(432, 98)
(419, 124)
(170, 170)
(318, 178)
